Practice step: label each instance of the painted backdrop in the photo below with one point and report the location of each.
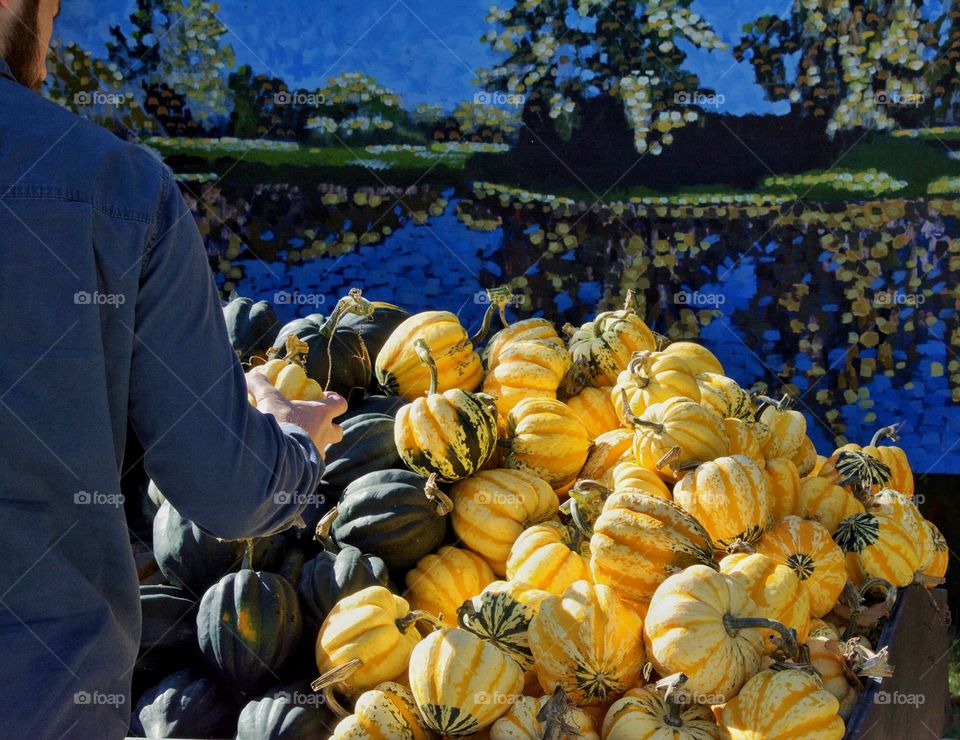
(778, 180)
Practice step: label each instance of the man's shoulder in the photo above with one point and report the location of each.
(64, 155)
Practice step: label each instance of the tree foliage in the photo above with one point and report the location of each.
(858, 64)
(561, 53)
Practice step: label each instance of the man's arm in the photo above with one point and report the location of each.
(226, 466)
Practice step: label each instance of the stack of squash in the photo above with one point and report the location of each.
(528, 536)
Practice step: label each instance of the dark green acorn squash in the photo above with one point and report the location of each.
(367, 446)
(378, 327)
(288, 712)
(247, 626)
(373, 404)
(185, 704)
(394, 514)
(187, 556)
(251, 326)
(169, 626)
(329, 577)
(347, 363)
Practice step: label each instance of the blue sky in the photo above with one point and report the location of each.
(424, 49)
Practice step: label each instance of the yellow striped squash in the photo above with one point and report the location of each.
(787, 430)
(501, 614)
(941, 554)
(532, 329)
(548, 557)
(588, 642)
(783, 485)
(724, 397)
(805, 457)
(901, 474)
(642, 714)
(450, 434)
(383, 713)
(628, 475)
(729, 497)
(698, 357)
(774, 590)
(609, 449)
(440, 583)
(461, 683)
(398, 366)
(825, 501)
(291, 380)
(521, 723)
(594, 407)
(527, 369)
(681, 423)
(639, 540)
(782, 705)
(693, 626)
(547, 439)
(491, 508)
(807, 548)
(877, 545)
(819, 628)
(743, 439)
(826, 656)
(652, 377)
(373, 625)
(604, 346)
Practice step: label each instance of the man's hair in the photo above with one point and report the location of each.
(20, 43)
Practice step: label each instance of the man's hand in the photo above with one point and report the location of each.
(314, 417)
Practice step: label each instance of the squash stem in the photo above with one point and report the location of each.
(670, 454)
(788, 636)
(632, 419)
(418, 615)
(322, 533)
(889, 432)
(637, 361)
(584, 529)
(553, 715)
(353, 303)
(484, 329)
(672, 691)
(328, 680)
(423, 352)
(443, 501)
(247, 562)
(628, 303)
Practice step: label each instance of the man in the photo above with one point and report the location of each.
(109, 315)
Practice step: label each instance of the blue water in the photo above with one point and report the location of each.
(441, 265)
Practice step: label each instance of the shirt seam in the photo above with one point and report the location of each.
(154, 232)
(49, 193)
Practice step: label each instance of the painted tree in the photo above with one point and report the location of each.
(858, 64)
(354, 104)
(943, 72)
(178, 43)
(563, 53)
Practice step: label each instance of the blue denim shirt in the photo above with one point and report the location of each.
(109, 314)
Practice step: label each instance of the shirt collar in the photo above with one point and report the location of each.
(5, 70)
